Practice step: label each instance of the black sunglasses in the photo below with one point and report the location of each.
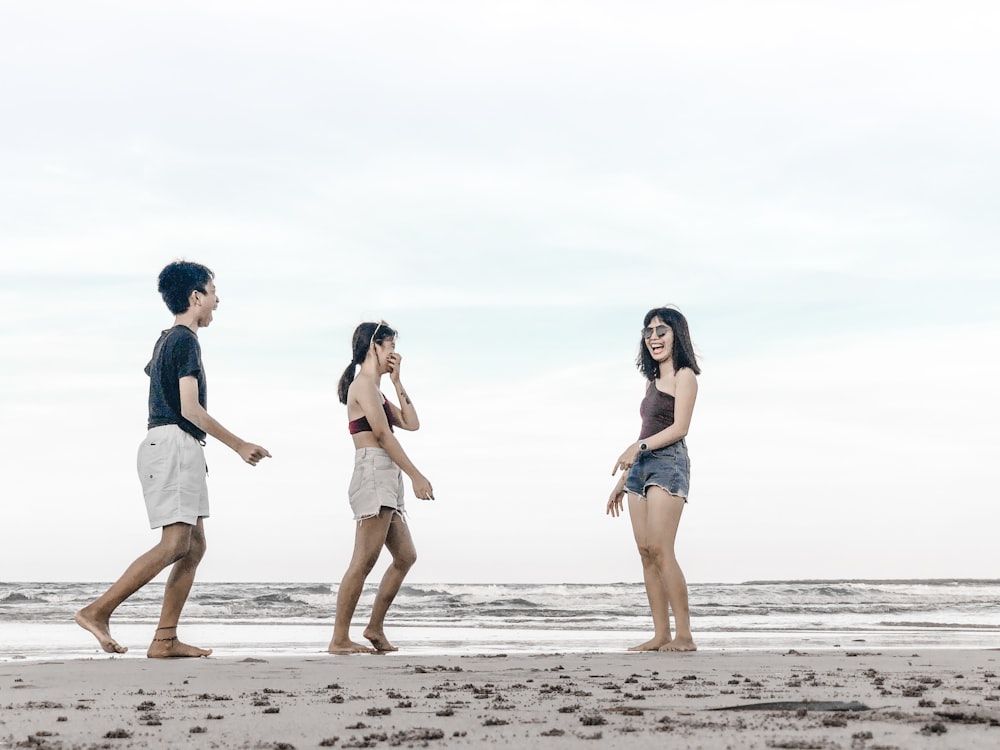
(661, 331)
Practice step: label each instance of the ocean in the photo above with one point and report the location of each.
(246, 619)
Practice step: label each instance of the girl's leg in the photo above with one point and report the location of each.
(663, 517)
(368, 540)
(656, 592)
(400, 544)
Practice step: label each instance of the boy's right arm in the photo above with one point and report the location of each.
(194, 412)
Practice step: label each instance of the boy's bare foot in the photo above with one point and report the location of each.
(101, 630)
(679, 644)
(349, 647)
(164, 647)
(379, 641)
(653, 644)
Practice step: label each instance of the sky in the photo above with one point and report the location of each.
(511, 185)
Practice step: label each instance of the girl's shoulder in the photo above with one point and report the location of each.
(361, 384)
(685, 377)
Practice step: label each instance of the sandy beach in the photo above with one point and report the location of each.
(710, 699)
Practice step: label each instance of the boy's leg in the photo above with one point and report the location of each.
(165, 642)
(175, 542)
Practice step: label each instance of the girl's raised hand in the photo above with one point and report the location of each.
(394, 361)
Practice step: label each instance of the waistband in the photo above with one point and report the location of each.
(171, 427)
(678, 444)
(362, 452)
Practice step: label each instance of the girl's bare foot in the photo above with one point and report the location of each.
(679, 644)
(164, 647)
(349, 647)
(101, 630)
(653, 644)
(379, 641)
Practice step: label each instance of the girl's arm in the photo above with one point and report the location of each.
(404, 416)
(370, 400)
(615, 500)
(687, 391)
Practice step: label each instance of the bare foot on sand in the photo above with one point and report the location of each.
(653, 644)
(101, 630)
(679, 644)
(379, 641)
(350, 647)
(173, 648)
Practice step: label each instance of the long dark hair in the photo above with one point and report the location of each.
(683, 352)
(360, 344)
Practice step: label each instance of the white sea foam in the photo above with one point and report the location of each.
(36, 618)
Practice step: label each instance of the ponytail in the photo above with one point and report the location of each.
(345, 382)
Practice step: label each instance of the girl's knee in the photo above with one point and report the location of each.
(405, 560)
(656, 556)
(365, 564)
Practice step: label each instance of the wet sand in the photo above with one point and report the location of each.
(709, 699)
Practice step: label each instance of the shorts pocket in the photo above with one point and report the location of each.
(383, 463)
(356, 479)
(153, 462)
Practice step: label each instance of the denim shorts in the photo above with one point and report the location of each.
(668, 468)
(377, 483)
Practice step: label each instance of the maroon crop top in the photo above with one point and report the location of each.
(361, 423)
(656, 410)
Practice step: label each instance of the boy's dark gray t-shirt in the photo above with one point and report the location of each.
(177, 355)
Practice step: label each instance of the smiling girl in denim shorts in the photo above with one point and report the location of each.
(656, 472)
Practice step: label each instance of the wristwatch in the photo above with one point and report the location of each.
(642, 447)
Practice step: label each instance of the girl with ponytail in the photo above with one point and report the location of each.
(376, 489)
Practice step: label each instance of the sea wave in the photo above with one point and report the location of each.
(844, 606)
(15, 597)
(947, 625)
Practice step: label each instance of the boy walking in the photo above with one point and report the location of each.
(171, 464)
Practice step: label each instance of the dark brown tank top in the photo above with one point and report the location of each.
(656, 410)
